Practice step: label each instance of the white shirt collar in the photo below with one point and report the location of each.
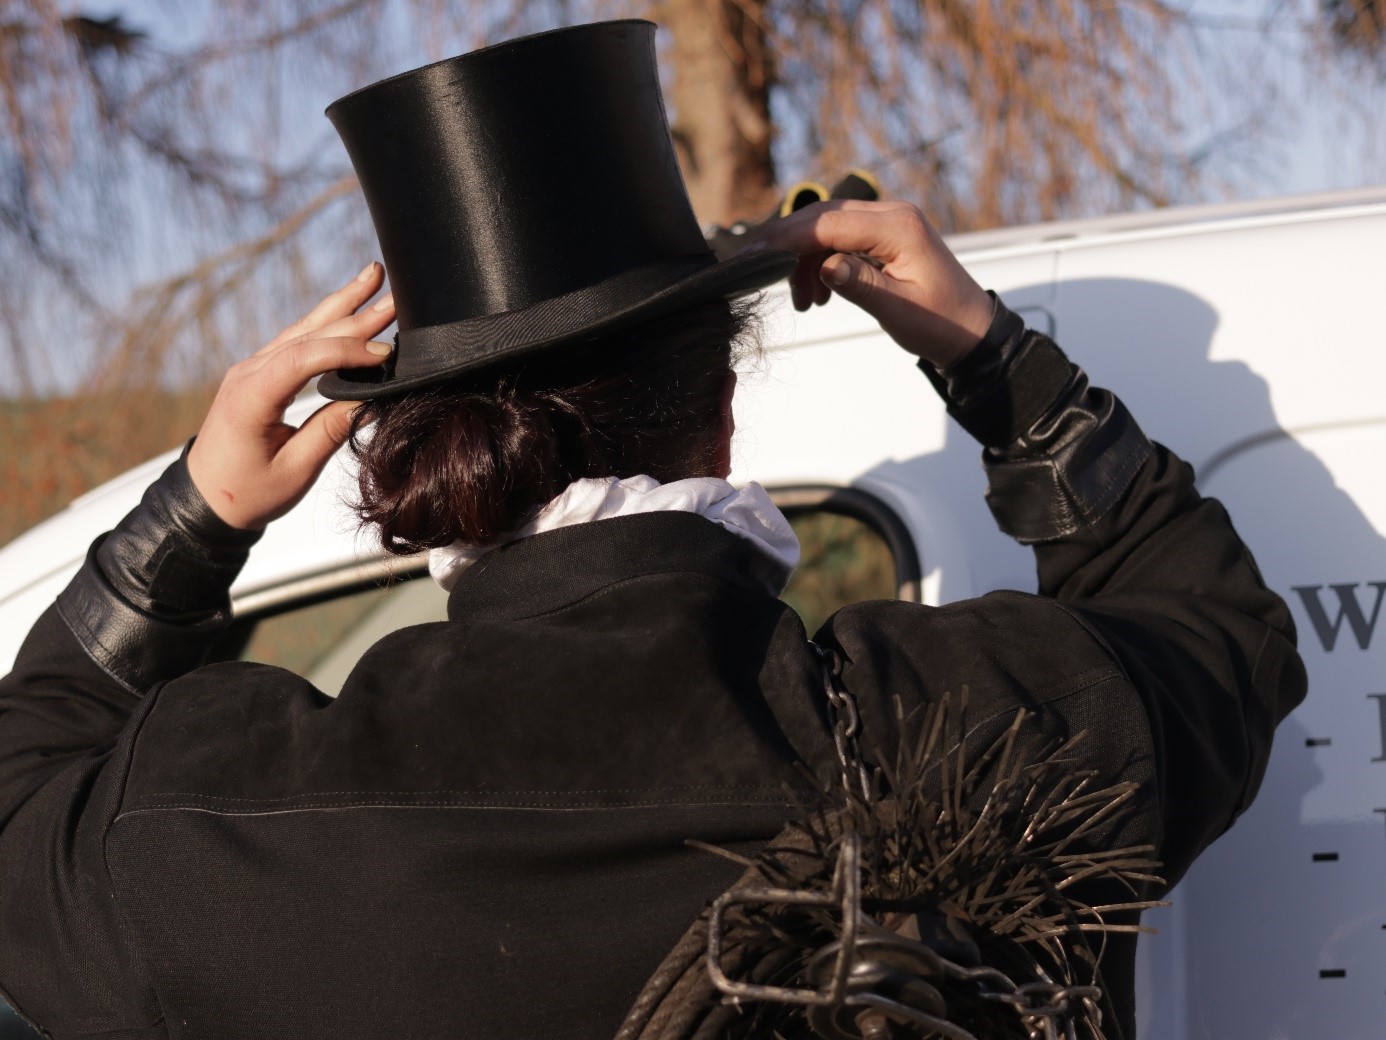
(746, 512)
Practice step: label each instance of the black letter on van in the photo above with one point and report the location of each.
(1380, 699)
(1348, 607)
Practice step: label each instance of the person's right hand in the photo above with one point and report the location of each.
(920, 294)
(248, 463)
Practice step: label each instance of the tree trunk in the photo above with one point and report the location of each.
(720, 101)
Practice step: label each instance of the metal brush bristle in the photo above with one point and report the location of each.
(974, 863)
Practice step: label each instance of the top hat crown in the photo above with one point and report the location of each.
(525, 195)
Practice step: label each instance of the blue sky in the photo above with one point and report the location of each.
(1322, 133)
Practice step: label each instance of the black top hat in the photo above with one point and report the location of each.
(525, 195)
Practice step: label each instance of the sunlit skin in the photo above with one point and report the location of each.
(252, 467)
(249, 464)
(920, 294)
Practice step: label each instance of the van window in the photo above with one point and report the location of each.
(842, 561)
(321, 639)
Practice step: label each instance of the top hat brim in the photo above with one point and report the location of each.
(434, 354)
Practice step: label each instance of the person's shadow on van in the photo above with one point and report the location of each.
(1264, 912)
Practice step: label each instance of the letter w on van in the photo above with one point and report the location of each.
(1349, 609)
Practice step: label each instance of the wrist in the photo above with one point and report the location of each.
(173, 556)
(1007, 381)
(973, 321)
(221, 505)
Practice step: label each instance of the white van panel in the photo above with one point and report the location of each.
(1283, 930)
(1213, 336)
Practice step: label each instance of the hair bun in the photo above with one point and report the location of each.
(469, 460)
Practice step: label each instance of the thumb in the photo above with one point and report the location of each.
(854, 279)
(307, 452)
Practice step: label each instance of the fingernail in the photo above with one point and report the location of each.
(384, 303)
(366, 272)
(380, 349)
(837, 270)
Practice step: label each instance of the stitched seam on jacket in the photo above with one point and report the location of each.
(82, 632)
(1078, 680)
(463, 791)
(142, 711)
(1131, 459)
(1102, 677)
(1120, 670)
(1075, 684)
(122, 1033)
(1109, 677)
(615, 585)
(212, 808)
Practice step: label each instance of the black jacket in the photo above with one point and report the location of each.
(484, 836)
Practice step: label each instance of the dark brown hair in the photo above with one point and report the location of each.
(472, 458)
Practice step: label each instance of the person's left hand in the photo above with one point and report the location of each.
(887, 259)
(250, 465)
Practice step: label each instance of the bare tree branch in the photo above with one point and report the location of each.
(162, 312)
(163, 200)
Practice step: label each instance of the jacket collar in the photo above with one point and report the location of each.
(551, 570)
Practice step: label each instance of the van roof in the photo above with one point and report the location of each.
(1272, 210)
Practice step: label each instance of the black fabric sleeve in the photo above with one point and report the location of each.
(142, 609)
(1154, 572)
(1152, 635)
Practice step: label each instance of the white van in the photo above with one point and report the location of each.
(1251, 340)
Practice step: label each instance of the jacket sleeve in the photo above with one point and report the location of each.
(143, 609)
(1153, 571)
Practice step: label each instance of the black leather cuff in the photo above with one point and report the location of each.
(1059, 454)
(1069, 470)
(1004, 384)
(154, 591)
